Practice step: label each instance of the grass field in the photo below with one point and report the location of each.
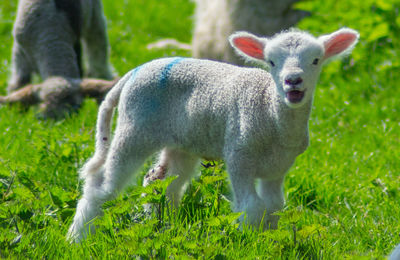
(343, 193)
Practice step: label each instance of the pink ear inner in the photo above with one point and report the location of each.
(250, 46)
(338, 44)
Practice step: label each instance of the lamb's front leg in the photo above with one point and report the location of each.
(271, 192)
(246, 197)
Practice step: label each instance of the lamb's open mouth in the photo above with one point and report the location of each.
(295, 96)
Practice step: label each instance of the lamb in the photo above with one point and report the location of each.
(47, 40)
(257, 121)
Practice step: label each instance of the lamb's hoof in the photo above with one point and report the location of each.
(73, 235)
(158, 173)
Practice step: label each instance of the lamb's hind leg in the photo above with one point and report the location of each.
(88, 207)
(126, 156)
(173, 162)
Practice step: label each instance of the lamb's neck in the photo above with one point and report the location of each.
(292, 124)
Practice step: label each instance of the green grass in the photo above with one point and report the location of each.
(342, 193)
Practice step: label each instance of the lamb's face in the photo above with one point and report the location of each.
(295, 61)
(294, 58)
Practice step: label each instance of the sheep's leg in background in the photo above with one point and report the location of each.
(24, 96)
(61, 61)
(31, 94)
(96, 88)
(95, 43)
(21, 69)
(53, 94)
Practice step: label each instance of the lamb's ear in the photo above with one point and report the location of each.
(248, 45)
(339, 43)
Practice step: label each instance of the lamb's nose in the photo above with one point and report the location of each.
(293, 81)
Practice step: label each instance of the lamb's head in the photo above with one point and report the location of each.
(294, 58)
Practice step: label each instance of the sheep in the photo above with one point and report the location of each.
(257, 121)
(47, 40)
(214, 21)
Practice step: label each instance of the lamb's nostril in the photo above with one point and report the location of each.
(293, 81)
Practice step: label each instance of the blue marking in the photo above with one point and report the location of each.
(153, 106)
(134, 72)
(165, 73)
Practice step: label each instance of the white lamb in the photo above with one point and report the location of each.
(257, 121)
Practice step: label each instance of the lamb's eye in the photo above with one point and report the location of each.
(315, 62)
(272, 63)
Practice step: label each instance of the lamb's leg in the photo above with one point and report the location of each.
(183, 165)
(246, 197)
(247, 201)
(88, 207)
(127, 154)
(20, 69)
(173, 162)
(271, 192)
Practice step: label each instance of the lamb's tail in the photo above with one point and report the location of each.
(103, 129)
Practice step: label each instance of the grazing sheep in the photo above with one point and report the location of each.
(216, 20)
(257, 121)
(47, 40)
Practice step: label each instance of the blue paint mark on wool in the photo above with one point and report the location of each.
(134, 72)
(165, 73)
